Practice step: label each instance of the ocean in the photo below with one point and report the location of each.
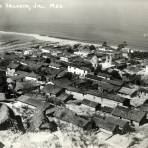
(101, 20)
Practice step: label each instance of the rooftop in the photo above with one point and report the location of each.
(53, 89)
(101, 123)
(128, 113)
(90, 103)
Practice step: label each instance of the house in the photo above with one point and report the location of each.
(81, 71)
(16, 78)
(106, 127)
(104, 76)
(65, 97)
(69, 116)
(11, 56)
(106, 109)
(127, 92)
(93, 78)
(52, 73)
(125, 54)
(83, 53)
(31, 65)
(3, 83)
(22, 73)
(133, 115)
(118, 99)
(124, 126)
(94, 106)
(31, 77)
(54, 65)
(26, 86)
(12, 68)
(103, 84)
(2, 97)
(77, 93)
(35, 66)
(118, 83)
(105, 99)
(31, 102)
(62, 82)
(28, 52)
(52, 90)
(65, 59)
(141, 93)
(45, 50)
(144, 107)
(106, 87)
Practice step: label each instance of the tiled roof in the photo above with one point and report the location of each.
(116, 121)
(30, 101)
(53, 89)
(128, 113)
(101, 123)
(90, 103)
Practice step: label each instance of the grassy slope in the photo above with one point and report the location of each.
(74, 139)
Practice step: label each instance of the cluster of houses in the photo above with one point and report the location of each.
(60, 78)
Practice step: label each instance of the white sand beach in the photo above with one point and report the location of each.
(48, 38)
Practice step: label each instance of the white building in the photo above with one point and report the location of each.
(28, 52)
(78, 71)
(45, 51)
(11, 69)
(103, 101)
(108, 62)
(65, 59)
(94, 61)
(143, 72)
(82, 53)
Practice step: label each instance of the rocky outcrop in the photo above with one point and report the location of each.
(40, 121)
(9, 120)
(1, 145)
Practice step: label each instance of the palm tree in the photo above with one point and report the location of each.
(104, 44)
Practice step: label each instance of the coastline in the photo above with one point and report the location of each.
(61, 40)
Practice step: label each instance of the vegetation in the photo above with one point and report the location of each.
(134, 141)
(122, 45)
(104, 44)
(92, 47)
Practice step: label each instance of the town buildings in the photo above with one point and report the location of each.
(87, 79)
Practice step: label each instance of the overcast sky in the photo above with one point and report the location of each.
(78, 12)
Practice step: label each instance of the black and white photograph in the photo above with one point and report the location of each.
(73, 73)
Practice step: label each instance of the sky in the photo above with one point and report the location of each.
(128, 18)
(73, 10)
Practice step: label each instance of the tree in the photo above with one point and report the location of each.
(70, 50)
(116, 74)
(76, 46)
(98, 69)
(92, 47)
(104, 44)
(125, 43)
(122, 45)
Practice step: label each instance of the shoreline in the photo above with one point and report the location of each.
(61, 41)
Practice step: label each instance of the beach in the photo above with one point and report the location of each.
(6, 36)
(46, 38)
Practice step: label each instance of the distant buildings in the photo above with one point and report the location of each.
(62, 76)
